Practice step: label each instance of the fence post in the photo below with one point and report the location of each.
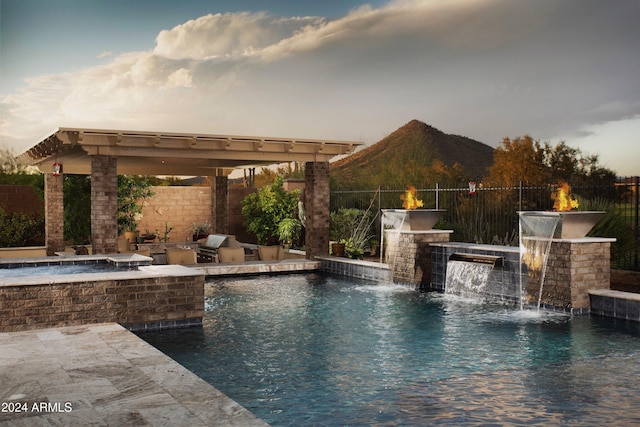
(520, 196)
(437, 196)
(636, 221)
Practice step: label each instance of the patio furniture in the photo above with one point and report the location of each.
(208, 251)
(270, 253)
(226, 254)
(181, 256)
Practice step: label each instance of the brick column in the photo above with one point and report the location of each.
(316, 203)
(574, 267)
(408, 254)
(220, 204)
(54, 213)
(104, 204)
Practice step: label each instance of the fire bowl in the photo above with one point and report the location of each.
(412, 219)
(572, 225)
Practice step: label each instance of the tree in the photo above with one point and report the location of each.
(264, 209)
(569, 164)
(529, 161)
(520, 159)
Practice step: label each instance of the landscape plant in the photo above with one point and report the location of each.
(289, 231)
(265, 209)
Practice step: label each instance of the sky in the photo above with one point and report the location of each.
(557, 70)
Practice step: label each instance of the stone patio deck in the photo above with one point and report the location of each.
(103, 375)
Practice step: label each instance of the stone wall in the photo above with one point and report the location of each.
(574, 267)
(136, 303)
(183, 206)
(409, 255)
(180, 207)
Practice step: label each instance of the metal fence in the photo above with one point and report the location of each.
(489, 215)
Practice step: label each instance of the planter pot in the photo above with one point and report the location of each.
(337, 249)
(197, 237)
(131, 236)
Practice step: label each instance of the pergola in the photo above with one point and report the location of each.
(106, 153)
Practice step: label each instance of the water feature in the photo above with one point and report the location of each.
(467, 279)
(536, 234)
(324, 350)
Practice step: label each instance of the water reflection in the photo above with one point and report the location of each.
(300, 350)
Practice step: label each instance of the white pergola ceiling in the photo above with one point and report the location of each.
(161, 153)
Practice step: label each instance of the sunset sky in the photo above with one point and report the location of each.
(338, 69)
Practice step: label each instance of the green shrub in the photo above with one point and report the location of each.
(18, 229)
(266, 208)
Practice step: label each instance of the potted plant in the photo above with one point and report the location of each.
(289, 231)
(200, 230)
(148, 236)
(337, 248)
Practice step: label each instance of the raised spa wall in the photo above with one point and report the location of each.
(154, 297)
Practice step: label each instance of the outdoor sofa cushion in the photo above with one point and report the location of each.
(231, 254)
(270, 253)
(181, 256)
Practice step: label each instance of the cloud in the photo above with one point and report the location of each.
(227, 35)
(105, 54)
(481, 68)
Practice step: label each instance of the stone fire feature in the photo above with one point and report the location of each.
(407, 234)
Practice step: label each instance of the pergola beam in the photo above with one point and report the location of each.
(73, 146)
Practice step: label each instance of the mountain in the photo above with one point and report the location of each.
(408, 155)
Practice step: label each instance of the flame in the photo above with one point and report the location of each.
(411, 201)
(563, 201)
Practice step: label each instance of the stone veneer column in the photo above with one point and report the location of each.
(316, 204)
(220, 204)
(574, 267)
(54, 213)
(408, 254)
(104, 204)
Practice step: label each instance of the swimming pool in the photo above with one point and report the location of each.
(325, 350)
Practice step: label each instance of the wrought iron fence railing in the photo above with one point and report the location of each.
(489, 215)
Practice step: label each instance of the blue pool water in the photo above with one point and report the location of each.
(317, 350)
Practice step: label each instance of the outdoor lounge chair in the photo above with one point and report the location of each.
(181, 256)
(270, 253)
(231, 254)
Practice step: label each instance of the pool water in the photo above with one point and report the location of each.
(63, 268)
(324, 350)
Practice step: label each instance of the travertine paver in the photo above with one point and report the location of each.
(103, 375)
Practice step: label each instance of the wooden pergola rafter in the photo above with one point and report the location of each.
(164, 153)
